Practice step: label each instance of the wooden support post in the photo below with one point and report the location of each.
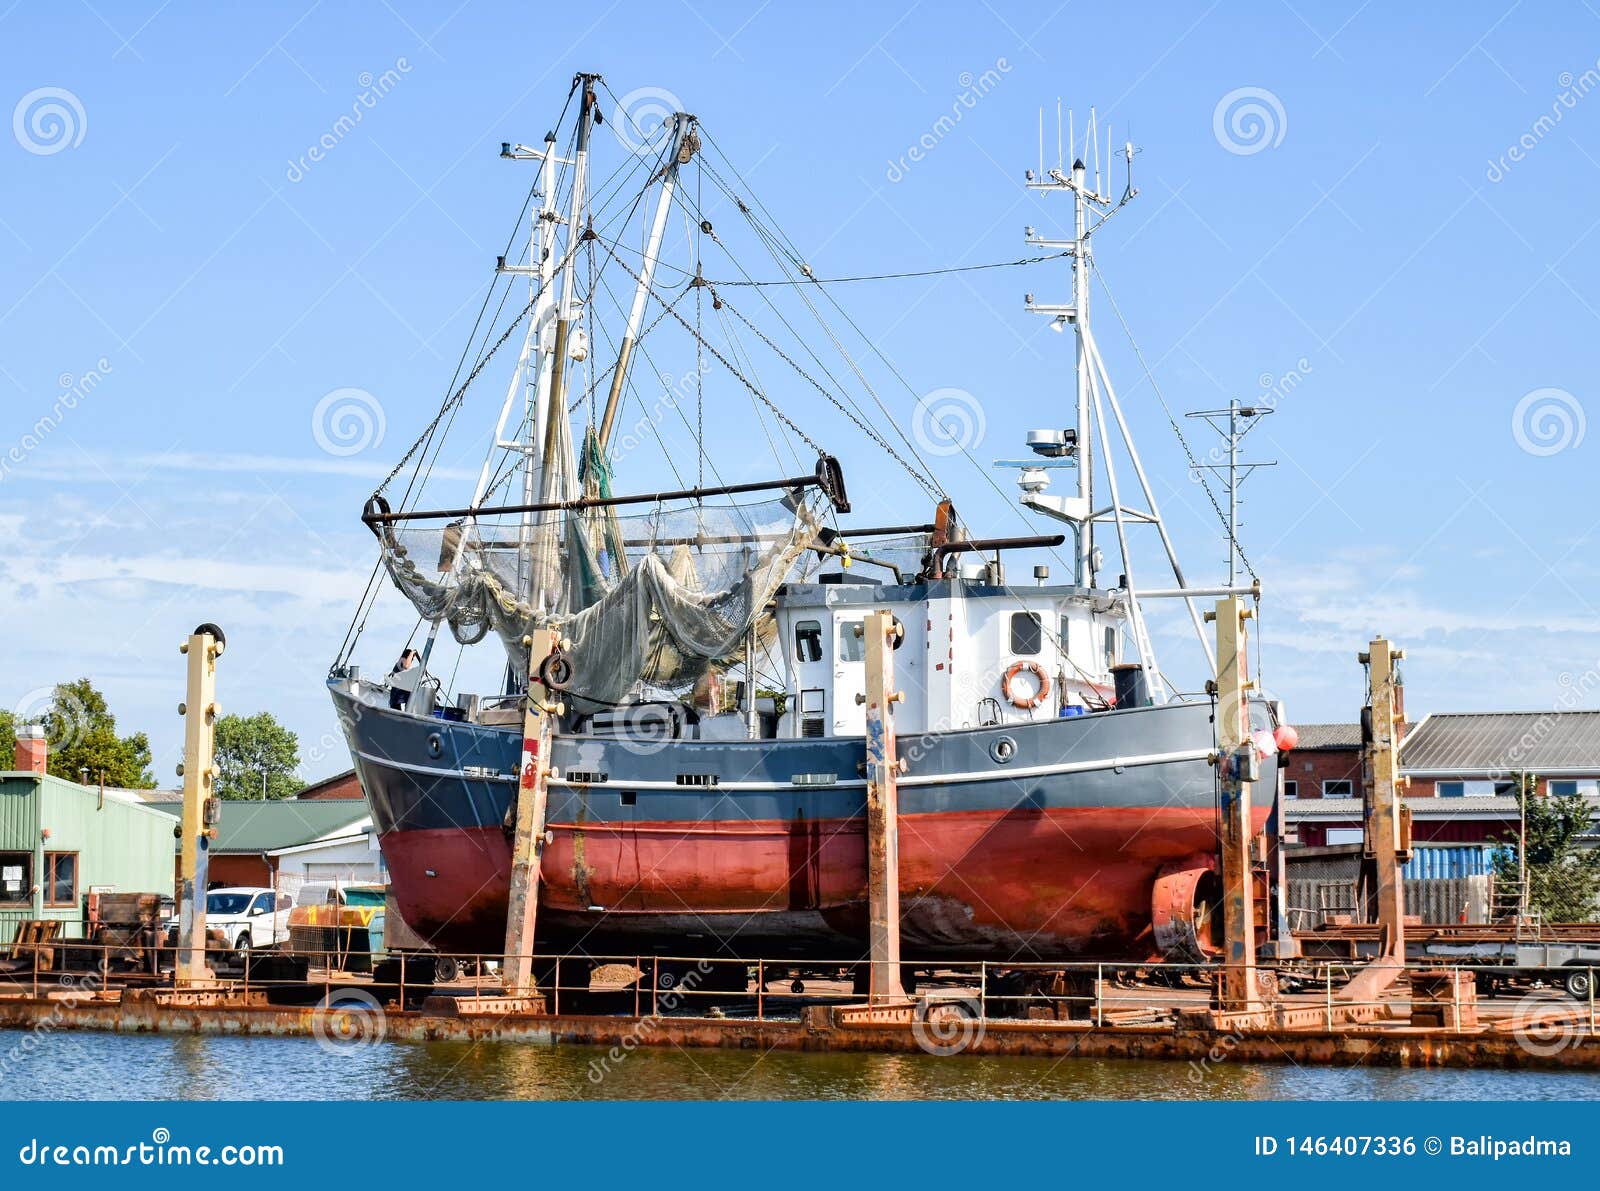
(1385, 836)
(883, 809)
(199, 771)
(527, 841)
(1238, 767)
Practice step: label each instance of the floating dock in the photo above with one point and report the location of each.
(1110, 1013)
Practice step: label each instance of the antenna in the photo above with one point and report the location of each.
(1233, 424)
(1094, 153)
(1084, 445)
(1041, 142)
(1058, 132)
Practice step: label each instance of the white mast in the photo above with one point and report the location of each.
(1092, 206)
(681, 145)
(531, 378)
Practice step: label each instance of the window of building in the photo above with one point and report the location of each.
(16, 878)
(1291, 789)
(61, 878)
(1027, 633)
(1338, 788)
(852, 641)
(1563, 787)
(808, 641)
(1449, 789)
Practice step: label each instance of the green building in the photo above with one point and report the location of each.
(60, 840)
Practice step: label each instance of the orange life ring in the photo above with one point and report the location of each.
(1026, 702)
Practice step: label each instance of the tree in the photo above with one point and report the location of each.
(8, 740)
(257, 749)
(1563, 875)
(83, 736)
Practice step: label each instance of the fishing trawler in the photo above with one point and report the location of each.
(707, 784)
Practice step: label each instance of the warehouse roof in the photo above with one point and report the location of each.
(269, 826)
(1504, 742)
(1328, 736)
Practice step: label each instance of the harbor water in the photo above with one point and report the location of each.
(72, 1065)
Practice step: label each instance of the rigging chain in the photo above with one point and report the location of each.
(460, 393)
(723, 360)
(859, 422)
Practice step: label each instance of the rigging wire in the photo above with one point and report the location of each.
(941, 272)
(1194, 464)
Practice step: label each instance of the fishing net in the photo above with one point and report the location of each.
(656, 596)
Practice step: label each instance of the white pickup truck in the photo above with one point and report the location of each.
(250, 918)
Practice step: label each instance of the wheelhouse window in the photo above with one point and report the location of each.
(1027, 633)
(1111, 646)
(808, 641)
(16, 878)
(61, 878)
(1338, 788)
(852, 641)
(1061, 641)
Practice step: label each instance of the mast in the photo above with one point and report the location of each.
(555, 418)
(1240, 420)
(1074, 446)
(681, 146)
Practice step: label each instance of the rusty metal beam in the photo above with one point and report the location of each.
(533, 798)
(1237, 766)
(883, 808)
(199, 771)
(1385, 835)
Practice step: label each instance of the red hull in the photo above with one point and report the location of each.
(1019, 885)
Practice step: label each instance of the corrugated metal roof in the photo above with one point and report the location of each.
(1342, 810)
(1504, 742)
(267, 826)
(1328, 736)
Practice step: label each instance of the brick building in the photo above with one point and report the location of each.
(1459, 766)
(331, 789)
(1326, 763)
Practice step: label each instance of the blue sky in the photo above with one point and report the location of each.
(177, 301)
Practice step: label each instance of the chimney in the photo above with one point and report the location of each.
(33, 750)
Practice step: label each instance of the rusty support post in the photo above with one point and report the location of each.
(1386, 843)
(1238, 766)
(199, 710)
(533, 796)
(883, 809)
